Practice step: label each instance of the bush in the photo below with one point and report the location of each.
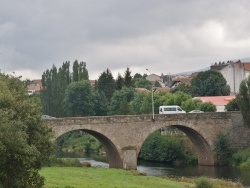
(64, 162)
(203, 182)
(245, 165)
(241, 157)
(223, 150)
(167, 149)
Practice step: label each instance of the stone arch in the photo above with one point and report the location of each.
(113, 155)
(205, 154)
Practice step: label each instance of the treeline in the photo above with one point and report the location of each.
(70, 93)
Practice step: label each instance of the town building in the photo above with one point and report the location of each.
(233, 72)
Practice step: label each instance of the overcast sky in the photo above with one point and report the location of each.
(165, 36)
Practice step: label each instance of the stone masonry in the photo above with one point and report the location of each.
(123, 136)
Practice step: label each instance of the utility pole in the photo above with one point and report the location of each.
(152, 96)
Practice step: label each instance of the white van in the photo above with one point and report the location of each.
(170, 110)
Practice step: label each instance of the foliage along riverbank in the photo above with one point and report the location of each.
(78, 177)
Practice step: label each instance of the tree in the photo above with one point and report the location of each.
(137, 75)
(24, 140)
(83, 72)
(55, 81)
(232, 105)
(143, 83)
(100, 103)
(106, 84)
(120, 102)
(223, 149)
(182, 88)
(119, 82)
(78, 99)
(191, 104)
(127, 78)
(137, 102)
(75, 71)
(209, 83)
(207, 107)
(243, 100)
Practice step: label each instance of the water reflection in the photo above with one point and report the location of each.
(161, 169)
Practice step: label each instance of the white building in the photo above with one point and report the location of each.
(233, 72)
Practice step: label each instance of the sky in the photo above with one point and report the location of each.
(163, 36)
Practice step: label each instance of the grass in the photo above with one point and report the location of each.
(77, 177)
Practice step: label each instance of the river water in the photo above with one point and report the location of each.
(161, 169)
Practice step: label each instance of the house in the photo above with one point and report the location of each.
(233, 72)
(92, 82)
(181, 80)
(219, 101)
(35, 86)
(155, 78)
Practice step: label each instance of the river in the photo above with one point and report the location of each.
(161, 169)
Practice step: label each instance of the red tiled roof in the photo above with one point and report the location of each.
(217, 100)
(246, 66)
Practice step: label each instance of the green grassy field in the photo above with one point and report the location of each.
(77, 177)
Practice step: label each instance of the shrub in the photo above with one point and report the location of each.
(167, 149)
(223, 149)
(203, 182)
(241, 156)
(245, 165)
(65, 162)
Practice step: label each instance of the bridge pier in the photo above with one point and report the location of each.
(129, 159)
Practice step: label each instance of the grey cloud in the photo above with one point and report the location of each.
(159, 35)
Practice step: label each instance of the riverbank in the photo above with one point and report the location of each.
(78, 177)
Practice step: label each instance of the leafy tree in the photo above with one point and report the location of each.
(120, 102)
(191, 104)
(78, 99)
(100, 103)
(243, 100)
(207, 107)
(137, 75)
(137, 102)
(24, 141)
(142, 83)
(106, 84)
(232, 105)
(182, 88)
(209, 83)
(146, 104)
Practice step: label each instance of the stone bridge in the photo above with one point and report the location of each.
(123, 136)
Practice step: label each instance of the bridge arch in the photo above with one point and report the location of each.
(203, 148)
(113, 155)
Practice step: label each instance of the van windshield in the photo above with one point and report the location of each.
(179, 109)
